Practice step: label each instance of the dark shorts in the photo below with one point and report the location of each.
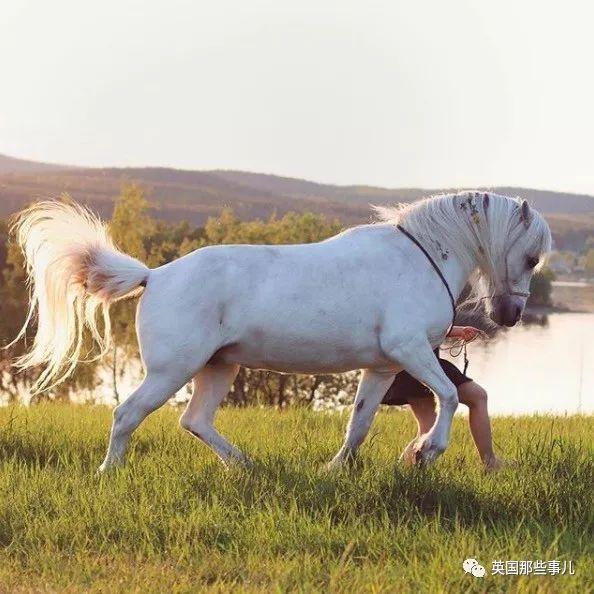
(405, 387)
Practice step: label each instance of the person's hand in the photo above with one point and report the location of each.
(468, 333)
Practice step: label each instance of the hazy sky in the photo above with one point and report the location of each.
(398, 93)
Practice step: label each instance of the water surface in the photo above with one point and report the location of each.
(538, 369)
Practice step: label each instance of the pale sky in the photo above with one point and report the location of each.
(400, 93)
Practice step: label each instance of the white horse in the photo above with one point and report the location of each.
(368, 299)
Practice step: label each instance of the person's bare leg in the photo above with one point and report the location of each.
(423, 410)
(475, 398)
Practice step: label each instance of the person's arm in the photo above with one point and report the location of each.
(455, 332)
(466, 333)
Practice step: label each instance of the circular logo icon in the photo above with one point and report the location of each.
(469, 564)
(478, 571)
(472, 566)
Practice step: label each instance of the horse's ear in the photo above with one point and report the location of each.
(525, 213)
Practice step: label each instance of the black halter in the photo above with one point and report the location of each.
(436, 267)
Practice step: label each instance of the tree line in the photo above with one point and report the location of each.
(157, 242)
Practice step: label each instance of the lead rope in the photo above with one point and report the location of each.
(465, 359)
(460, 346)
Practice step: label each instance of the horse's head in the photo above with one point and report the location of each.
(524, 240)
(503, 237)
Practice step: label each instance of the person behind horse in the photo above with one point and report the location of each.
(405, 389)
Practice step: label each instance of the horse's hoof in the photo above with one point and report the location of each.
(408, 456)
(243, 463)
(332, 466)
(247, 464)
(109, 466)
(427, 451)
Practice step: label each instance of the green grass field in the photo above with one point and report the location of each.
(174, 520)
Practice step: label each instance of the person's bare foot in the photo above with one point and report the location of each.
(493, 464)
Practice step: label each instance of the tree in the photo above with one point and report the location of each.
(131, 228)
(589, 261)
(541, 287)
(291, 228)
(136, 233)
(13, 307)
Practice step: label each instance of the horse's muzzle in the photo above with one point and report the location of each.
(507, 310)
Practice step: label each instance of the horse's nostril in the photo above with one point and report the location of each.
(518, 312)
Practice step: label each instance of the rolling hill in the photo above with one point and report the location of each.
(195, 195)
(14, 165)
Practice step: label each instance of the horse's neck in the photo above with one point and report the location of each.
(456, 270)
(456, 273)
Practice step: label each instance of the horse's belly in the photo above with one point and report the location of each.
(293, 356)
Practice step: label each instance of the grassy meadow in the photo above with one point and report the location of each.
(174, 520)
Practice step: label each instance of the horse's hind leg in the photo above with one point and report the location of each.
(211, 385)
(371, 390)
(153, 392)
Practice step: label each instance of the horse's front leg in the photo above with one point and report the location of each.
(370, 392)
(419, 360)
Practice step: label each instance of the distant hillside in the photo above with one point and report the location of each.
(176, 194)
(543, 200)
(14, 165)
(196, 195)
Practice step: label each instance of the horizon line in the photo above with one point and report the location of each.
(290, 177)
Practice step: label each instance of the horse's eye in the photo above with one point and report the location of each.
(531, 262)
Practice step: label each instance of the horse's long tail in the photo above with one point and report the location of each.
(74, 270)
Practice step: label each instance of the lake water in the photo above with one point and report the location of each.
(576, 284)
(538, 369)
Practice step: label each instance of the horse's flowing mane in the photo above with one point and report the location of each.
(475, 227)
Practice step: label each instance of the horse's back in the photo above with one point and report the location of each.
(285, 264)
